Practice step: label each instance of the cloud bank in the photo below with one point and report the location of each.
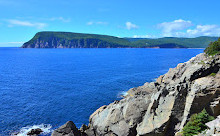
(204, 30)
(182, 28)
(169, 28)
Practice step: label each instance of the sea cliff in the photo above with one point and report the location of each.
(159, 108)
(80, 40)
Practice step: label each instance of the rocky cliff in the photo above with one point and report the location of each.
(74, 40)
(160, 108)
(49, 39)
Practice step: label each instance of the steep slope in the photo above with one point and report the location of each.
(163, 107)
(74, 40)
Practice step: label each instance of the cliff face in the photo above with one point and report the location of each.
(74, 40)
(75, 43)
(162, 108)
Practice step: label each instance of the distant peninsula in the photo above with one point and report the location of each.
(49, 39)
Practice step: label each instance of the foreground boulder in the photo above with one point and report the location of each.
(163, 107)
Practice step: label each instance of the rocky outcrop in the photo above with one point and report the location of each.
(68, 129)
(121, 117)
(163, 107)
(35, 132)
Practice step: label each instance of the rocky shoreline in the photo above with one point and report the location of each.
(159, 108)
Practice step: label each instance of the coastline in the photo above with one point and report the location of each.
(133, 114)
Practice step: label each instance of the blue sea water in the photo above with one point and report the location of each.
(47, 87)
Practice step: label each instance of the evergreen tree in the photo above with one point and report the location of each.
(213, 48)
(196, 123)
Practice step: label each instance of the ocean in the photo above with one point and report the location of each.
(47, 87)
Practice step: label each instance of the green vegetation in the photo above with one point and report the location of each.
(199, 42)
(213, 48)
(79, 40)
(76, 40)
(196, 123)
(212, 74)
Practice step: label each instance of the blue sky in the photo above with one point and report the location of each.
(21, 19)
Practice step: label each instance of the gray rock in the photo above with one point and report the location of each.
(68, 129)
(83, 128)
(214, 128)
(36, 131)
(89, 132)
(120, 118)
(163, 107)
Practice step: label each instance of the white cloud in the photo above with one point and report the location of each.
(180, 28)
(14, 22)
(144, 36)
(169, 28)
(130, 26)
(90, 23)
(97, 23)
(199, 30)
(204, 30)
(60, 19)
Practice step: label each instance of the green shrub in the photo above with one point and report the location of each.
(196, 123)
(213, 48)
(212, 74)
